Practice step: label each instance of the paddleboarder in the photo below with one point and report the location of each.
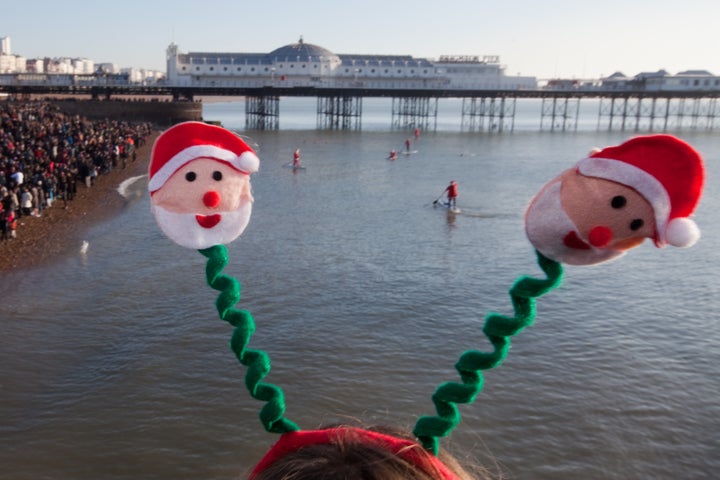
(452, 193)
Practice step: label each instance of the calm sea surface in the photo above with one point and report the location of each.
(115, 364)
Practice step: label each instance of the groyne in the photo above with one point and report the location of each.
(160, 112)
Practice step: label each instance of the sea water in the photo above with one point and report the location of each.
(115, 364)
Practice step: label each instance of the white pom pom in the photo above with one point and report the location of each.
(682, 232)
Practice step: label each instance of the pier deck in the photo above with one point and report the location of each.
(619, 108)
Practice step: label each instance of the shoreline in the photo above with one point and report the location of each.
(51, 237)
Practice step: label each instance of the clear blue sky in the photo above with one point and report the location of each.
(542, 38)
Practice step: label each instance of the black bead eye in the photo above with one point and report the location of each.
(190, 176)
(217, 176)
(618, 201)
(636, 224)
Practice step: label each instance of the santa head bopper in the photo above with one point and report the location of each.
(199, 184)
(666, 171)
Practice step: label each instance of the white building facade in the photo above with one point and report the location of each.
(5, 46)
(12, 64)
(304, 64)
(690, 80)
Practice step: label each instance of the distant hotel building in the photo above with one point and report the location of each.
(16, 64)
(9, 63)
(304, 64)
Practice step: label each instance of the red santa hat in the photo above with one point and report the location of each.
(666, 171)
(188, 141)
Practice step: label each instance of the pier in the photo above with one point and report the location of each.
(649, 101)
(482, 109)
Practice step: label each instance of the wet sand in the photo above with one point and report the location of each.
(59, 230)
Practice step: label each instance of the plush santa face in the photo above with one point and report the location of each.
(200, 184)
(612, 200)
(582, 220)
(204, 203)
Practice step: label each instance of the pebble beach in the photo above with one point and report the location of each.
(59, 230)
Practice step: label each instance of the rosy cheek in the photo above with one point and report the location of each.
(174, 200)
(223, 199)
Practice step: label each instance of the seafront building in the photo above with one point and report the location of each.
(692, 80)
(65, 68)
(10, 63)
(340, 82)
(305, 64)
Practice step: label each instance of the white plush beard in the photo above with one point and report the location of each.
(183, 228)
(547, 223)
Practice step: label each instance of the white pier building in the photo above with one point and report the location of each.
(307, 65)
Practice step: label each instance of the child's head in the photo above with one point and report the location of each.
(344, 452)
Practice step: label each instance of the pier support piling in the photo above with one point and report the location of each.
(339, 112)
(262, 113)
(561, 113)
(498, 111)
(414, 112)
(657, 112)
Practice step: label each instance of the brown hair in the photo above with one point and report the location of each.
(350, 457)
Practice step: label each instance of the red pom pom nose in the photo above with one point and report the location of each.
(600, 236)
(211, 199)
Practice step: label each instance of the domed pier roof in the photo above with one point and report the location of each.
(301, 52)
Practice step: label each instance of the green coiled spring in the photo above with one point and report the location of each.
(257, 361)
(498, 328)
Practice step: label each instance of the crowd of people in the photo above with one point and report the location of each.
(45, 154)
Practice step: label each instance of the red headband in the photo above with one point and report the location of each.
(406, 449)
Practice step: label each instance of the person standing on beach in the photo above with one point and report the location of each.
(26, 201)
(49, 188)
(36, 203)
(11, 223)
(123, 155)
(72, 176)
(17, 176)
(14, 200)
(3, 224)
(62, 187)
(84, 172)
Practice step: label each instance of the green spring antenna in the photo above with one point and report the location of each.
(257, 361)
(498, 328)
